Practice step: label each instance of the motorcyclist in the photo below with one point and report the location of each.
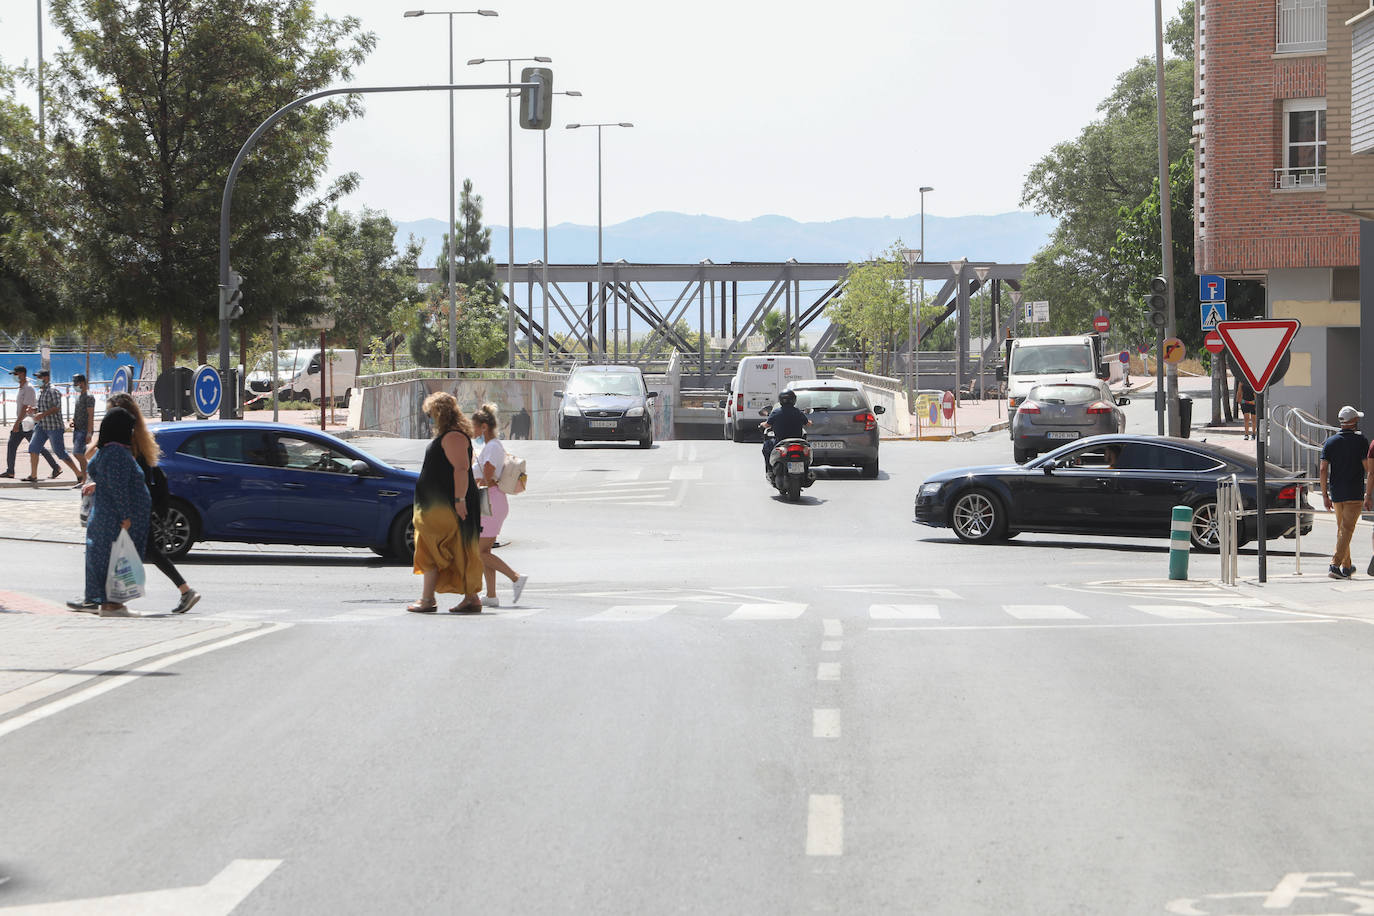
(785, 422)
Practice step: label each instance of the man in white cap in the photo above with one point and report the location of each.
(1345, 468)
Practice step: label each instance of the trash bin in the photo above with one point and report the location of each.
(1185, 415)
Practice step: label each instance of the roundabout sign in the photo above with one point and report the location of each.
(207, 391)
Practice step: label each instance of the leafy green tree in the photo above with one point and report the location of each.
(370, 278)
(472, 247)
(152, 101)
(873, 307)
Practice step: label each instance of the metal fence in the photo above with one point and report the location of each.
(1231, 510)
(1294, 439)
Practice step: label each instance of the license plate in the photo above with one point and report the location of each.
(795, 467)
(826, 443)
(1061, 435)
(601, 424)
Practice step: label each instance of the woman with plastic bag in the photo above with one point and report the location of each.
(121, 503)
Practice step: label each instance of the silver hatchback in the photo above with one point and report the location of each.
(844, 425)
(1059, 412)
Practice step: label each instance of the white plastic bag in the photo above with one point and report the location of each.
(125, 580)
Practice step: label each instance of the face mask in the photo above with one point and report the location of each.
(479, 440)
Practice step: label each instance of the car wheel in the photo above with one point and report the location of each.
(564, 443)
(977, 516)
(647, 442)
(176, 529)
(869, 469)
(303, 395)
(735, 434)
(1204, 534)
(1022, 455)
(400, 543)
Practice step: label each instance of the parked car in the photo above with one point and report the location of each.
(605, 403)
(752, 392)
(844, 425)
(1119, 485)
(1057, 412)
(262, 483)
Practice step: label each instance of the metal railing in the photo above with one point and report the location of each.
(1298, 178)
(1301, 26)
(1295, 439)
(1231, 510)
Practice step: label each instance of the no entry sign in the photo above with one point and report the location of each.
(1102, 323)
(1213, 342)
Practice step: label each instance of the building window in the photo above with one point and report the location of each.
(1304, 145)
(1302, 26)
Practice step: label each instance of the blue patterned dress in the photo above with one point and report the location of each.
(120, 493)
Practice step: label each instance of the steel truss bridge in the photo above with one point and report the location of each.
(603, 305)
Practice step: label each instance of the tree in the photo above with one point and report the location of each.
(472, 246)
(370, 278)
(153, 100)
(873, 307)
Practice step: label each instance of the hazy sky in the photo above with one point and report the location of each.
(815, 111)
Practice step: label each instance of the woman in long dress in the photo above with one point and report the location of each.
(447, 512)
(120, 501)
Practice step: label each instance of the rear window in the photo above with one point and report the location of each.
(1065, 394)
(830, 399)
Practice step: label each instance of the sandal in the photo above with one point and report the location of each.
(422, 608)
(467, 607)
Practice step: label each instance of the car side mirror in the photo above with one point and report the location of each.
(360, 468)
(1048, 467)
(878, 408)
(1001, 373)
(654, 394)
(723, 403)
(557, 394)
(1122, 401)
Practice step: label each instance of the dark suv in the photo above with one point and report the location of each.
(605, 403)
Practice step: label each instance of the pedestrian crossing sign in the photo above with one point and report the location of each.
(1212, 313)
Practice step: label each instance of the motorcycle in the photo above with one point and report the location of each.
(789, 468)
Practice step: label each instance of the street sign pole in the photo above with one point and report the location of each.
(1160, 404)
(1261, 430)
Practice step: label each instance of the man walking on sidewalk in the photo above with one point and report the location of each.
(25, 400)
(1344, 466)
(48, 430)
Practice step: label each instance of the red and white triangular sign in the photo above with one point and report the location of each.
(1258, 346)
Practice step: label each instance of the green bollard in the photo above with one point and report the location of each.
(1179, 543)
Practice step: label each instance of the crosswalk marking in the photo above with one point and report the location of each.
(1178, 611)
(687, 472)
(904, 612)
(1041, 612)
(777, 611)
(631, 612)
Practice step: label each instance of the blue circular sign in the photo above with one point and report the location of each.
(206, 391)
(121, 383)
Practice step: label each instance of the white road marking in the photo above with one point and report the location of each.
(219, 897)
(1041, 612)
(686, 472)
(942, 594)
(831, 645)
(825, 723)
(781, 610)
(828, 671)
(825, 825)
(631, 612)
(1069, 627)
(903, 612)
(1178, 611)
(832, 628)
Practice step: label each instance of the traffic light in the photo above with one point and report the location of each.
(536, 104)
(1159, 302)
(233, 303)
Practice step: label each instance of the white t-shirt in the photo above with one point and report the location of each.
(493, 453)
(27, 398)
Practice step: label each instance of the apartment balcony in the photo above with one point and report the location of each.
(1302, 26)
(1306, 178)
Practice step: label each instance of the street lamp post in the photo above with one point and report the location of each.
(600, 293)
(452, 167)
(510, 197)
(912, 256)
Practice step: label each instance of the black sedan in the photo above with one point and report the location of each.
(1118, 485)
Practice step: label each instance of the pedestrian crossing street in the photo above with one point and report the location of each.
(935, 609)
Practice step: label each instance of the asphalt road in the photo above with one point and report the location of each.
(712, 701)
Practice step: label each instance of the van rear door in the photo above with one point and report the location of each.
(761, 387)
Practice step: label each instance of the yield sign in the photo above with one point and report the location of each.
(1258, 346)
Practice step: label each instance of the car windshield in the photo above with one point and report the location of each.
(620, 383)
(1068, 357)
(1065, 394)
(286, 360)
(830, 399)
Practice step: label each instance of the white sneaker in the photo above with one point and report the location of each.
(493, 601)
(517, 587)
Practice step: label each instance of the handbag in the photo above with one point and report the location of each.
(513, 477)
(125, 579)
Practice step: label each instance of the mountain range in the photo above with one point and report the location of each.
(676, 238)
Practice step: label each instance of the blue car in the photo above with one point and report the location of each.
(269, 483)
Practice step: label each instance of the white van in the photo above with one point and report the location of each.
(754, 390)
(298, 375)
(1032, 361)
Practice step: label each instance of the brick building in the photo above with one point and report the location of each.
(1281, 190)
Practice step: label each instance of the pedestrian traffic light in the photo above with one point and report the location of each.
(1158, 301)
(536, 103)
(233, 299)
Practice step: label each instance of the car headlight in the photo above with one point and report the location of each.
(570, 409)
(928, 490)
(635, 412)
